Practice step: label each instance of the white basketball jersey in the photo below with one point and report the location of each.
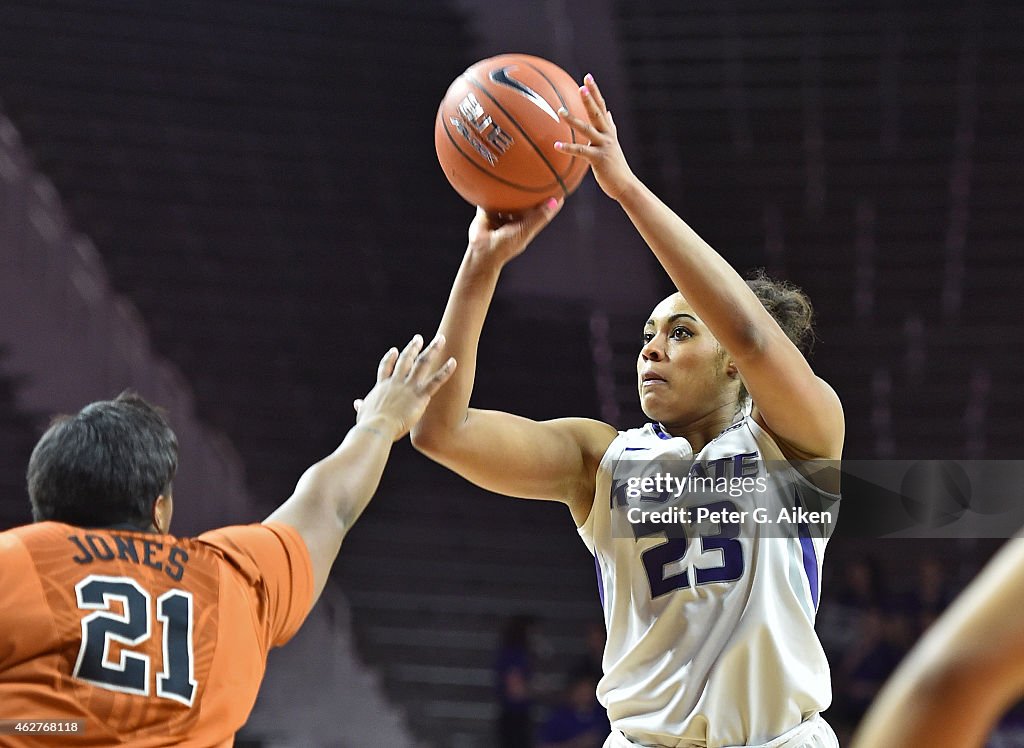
(711, 637)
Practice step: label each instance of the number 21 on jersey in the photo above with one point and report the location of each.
(132, 627)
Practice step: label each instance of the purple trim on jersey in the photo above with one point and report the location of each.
(810, 561)
(600, 580)
(660, 431)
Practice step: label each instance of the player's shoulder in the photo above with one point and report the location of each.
(25, 536)
(742, 435)
(11, 544)
(589, 429)
(254, 550)
(644, 445)
(233, 538)
(270, 558)
(650, 437)
(592, 436)
(21, 550)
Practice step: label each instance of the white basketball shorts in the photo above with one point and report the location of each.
(811, 733)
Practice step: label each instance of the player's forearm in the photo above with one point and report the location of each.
(712, 287)
(346, 480)
(930, 704)
(973, 655)
(462, 325)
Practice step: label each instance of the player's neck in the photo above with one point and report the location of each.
(700, 432)
(129, 527)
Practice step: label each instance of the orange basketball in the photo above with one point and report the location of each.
(496, 129)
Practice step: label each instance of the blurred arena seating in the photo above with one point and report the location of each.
(435, 569)
(262, 186)
(17, 437)
(229, 170)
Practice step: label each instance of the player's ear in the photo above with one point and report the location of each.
(727, 364)
(163, 508)
(730, 369)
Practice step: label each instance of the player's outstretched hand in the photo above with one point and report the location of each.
(500, 237)
(603, 152)
(405, 383)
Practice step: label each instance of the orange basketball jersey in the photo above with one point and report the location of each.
(150, 639)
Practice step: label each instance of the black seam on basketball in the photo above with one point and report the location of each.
(491, 174)
(485, 92)
(572, 161)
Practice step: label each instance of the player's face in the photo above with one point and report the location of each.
(681, 370)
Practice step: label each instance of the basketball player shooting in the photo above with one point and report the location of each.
(114, 631)
(725, 652)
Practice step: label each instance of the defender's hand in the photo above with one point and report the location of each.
(405, 384)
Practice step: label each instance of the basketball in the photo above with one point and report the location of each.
(496, 129)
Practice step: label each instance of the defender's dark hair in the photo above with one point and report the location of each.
(103, 466)
(789, 306)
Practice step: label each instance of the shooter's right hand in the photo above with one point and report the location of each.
(500, 237)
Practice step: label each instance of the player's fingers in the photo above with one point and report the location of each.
(439, 377)
(387, 365)
(357, 404)
(408, 355)
(579, 125)
(536, 218)
(478, 227)
(497, 220)
(426, 360)
(489, 220)
(574, 149)
(594, 110)
(595, 92)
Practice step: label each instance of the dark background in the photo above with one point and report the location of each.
(260, 184)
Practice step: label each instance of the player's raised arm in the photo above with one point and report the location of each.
(331, 494)
(498, 451)
(964, 673)
(800, 409)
